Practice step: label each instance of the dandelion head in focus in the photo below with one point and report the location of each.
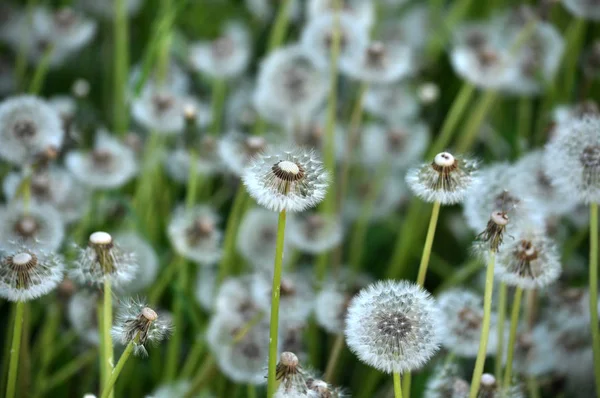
(289, 373)
(139, 324)
(34, 224)
(462, 314)
(103, 258)
(28, 127)
(286, 180)
(110, 164)
(315, 233)
(27, 272)
(493, 234)
(573, 159)
(529, 261)
(445, 382)
(447, 179)
(393, 326)
(194, 233)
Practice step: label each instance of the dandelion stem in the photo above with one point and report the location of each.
(500, 331)
(512, 337)
(173, 350)
(207, 369)
(475, 121)
(406, 383)
(219, 91)
(106, 326)
(277, 35)
(329, 140)
(435, 212)
(250, 388)
(574, 41)
(410, 230)
(108, 387)
(453, 117)
(275, 291)
(121, 64)
(485, 327)
(397, 385)
(594, 292)
(334, 356)
(100, 321)
(15, 349)
(192, 359)
(70, 369)
(230, 234)
(40, 72)
(192, 185)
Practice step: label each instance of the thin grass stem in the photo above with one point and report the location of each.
(512, 337)
(435, 212)
(106, 326)
(15, 349)
(334, 357)
(108, 387)
(500, 331)
(594, 292)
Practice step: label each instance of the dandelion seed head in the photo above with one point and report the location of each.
(314, 233)
(401, 143)
(109, 165)
(146, 258)
(194, 234)
(141, 325)
(237, 151)
(291, 180)
(392, 102)
(393, 326)
(37, 225)
(447, 180)
(462, 314)
(82, 316)
(379, 63)
(28, 126)
(28, 272)
(529, 261)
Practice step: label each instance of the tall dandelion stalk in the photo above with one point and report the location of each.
(593, 275)
(284, 181)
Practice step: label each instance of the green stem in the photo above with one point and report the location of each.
(512, 337)
(219, 91)
(523, 125)
(40, 72)
(206, 370)
(500, 331)
(192, 359)
(406, 383)
(100, 321)
(485, 327)
(192, 185)
(231, 233)
(106, 326)
(108, 387)
(475, 121)
(435, 212)
(121, 64)
(275, 292)
(15, 349)
(69, 370)
(575, 38)
(251, 391)
(334, 356)
(411, 229)
(533, 387)
(351, 141)
(173, 349)
(397, 385)
(457, 109)
(329, 139)
(163, 281)
(594, 292)
(280, 26)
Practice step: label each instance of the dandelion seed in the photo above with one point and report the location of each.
(393, 326)
(109, 165)
(27, 272)
(195, 235)
(28, 126)
(286, 180)
(141, 325)
(446, 180)
(289, 373)
(101, 259)
(573, 159)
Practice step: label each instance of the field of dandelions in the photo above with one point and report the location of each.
(299, 198)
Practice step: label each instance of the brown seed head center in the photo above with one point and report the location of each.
(24, 129)
(26, 227)
(162, 102)
(222, 47)
(590, 157)
(376, 55)
(288, 171)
